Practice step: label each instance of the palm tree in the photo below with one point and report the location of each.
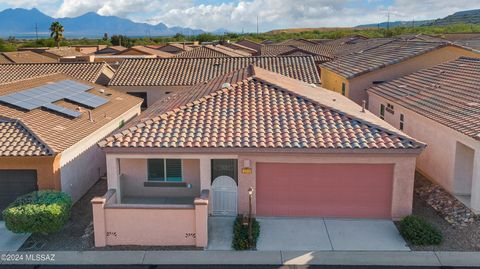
(56, 30)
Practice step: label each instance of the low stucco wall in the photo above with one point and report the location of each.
(437, 161)
(134, 175)
(150, 225)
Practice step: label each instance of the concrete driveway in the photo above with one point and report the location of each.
(329, 234)
(10, 241)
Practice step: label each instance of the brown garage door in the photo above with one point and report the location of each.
(14, 183)
(326, 190)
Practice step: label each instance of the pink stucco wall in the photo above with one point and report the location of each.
(326, 190)
(150, 225)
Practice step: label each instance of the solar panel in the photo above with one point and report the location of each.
(45, 95)
(62, 110)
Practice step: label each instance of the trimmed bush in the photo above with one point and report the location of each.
(240, 234)
(38, 212)
(419, 232)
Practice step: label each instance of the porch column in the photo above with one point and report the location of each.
(403, 184)
(475, 198)
(205, 173)
(98, 210)
(113, 175)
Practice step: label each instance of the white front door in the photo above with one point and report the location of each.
(224, 196)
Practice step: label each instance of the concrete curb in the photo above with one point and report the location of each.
(363, 258)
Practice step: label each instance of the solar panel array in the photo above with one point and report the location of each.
(45, 95)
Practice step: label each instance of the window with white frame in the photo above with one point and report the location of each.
(167, 170)
(402, 121)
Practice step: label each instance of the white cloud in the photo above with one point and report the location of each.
(241, 14)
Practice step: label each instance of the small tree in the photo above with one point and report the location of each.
(56, 30)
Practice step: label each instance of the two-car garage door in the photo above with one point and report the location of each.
(14, 183)
(324, 190)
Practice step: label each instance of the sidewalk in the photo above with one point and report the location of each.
(370, 258)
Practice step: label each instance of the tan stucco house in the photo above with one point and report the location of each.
(440, 106)
(49, 127)
(352, 74)
(305, 151)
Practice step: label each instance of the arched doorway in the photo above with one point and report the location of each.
(224, 196)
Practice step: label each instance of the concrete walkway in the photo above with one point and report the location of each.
(220, 233)
(294, 234)
(278, 258)
(10, 241)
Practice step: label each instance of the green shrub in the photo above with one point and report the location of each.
(38, 212)
(240, 234)
(419, 232)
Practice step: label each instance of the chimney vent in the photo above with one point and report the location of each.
(90, 116)
(364, 103)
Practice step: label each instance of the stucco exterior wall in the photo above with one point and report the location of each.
(437, 161)
(356, 87)
(48, 172)
(82, 164)
(333, 81)
(154, 93)
(134, 173)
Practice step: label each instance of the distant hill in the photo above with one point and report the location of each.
(394, 24)
(468, 17)
(21, 22)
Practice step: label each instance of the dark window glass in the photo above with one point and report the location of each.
(343, 89)
(156, 169)
(142, 95)
(174, 170)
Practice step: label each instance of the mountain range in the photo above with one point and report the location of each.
(468, 17)
(22, 23)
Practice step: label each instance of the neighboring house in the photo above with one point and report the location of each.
(319, 52)
(110, 50)
(250, 44)
(175, 48)
(297, 42)
(88, 49)
(58, 53)
(21, 57)
(212, 51)
(237, 46)
(305, 151)
(99, 73)
(440, 106)
(470, 43)
(353, 74)
(421, 37)
(49, 127)
(143, 50)
(154, 79)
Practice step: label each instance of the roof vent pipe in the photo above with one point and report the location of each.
(364, 103)
(90, 116)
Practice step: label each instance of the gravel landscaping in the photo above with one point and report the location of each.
(459, 233)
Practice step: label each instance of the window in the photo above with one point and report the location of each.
(390, 108)
(168, 170)
(142, 95)
(382, 111)
(343, 89)
(402, 118)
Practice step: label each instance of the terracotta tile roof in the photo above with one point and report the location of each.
(111, 49)
(84, 71)
(17, 140)
(362, 62)
(262, 111)
(421, 37)
(297, 42)
(147, 51)
(4, 60)
(63, 52)
(188, 72)
(471, 43)
(56, 131)
(448, 93)
(175, 47)
(27, 57)
(237, 46)
(212, 51)
(318, 51)
(251, 44)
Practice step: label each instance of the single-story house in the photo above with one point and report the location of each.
(88, 49)
(250, 44)
(154, 79)
(98, 73)
(21, 57)
(305, 151)
(143, 50)
(58, 53)
(212, 51)
(49, 129)
(439, 105)
(353, 74)
(175, 48)
(110, 50)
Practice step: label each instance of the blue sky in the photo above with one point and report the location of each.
(241, 14)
